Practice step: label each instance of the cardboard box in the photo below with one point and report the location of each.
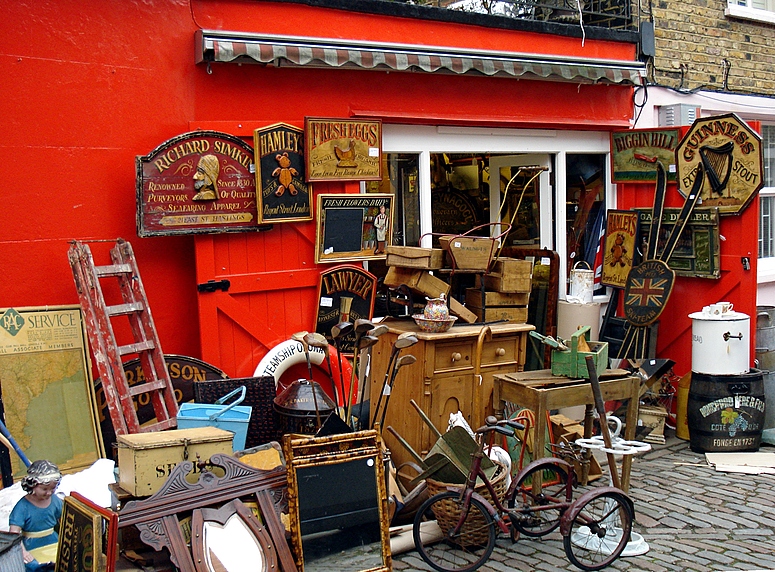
(145, 460)
(415, 257)
(510, 275)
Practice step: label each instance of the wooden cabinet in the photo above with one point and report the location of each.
(450, 375)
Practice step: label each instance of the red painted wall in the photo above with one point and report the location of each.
(89, 85)
(740, 235)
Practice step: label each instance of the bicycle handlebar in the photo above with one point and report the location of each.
(500, 426)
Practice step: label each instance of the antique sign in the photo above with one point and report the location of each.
(184, 373)
(343, 149)
(199, 182)
(697, 252)
(452, 212)
(648, 288)
(619, 247)
(635, 151)
(731, 155)
(281, 187)
(346, 293)
(88, 537)
(44, 369)
(353, 227)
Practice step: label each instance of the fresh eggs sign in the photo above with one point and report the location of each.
(196, 183)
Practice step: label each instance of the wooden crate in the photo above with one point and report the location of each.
(474, 298)
(572, 362)
(419, 280)
(415, 257)
(428, 285)
(471, 253)
(513, 314)
(510, 275)
(145, 460)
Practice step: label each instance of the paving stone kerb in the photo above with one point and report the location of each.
(692, 517)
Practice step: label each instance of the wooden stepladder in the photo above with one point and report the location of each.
(108, 354)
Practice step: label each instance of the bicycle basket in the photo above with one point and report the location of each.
(447, 513)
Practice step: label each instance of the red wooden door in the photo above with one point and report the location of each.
(272, 293)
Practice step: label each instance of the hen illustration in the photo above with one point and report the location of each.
(346, 157)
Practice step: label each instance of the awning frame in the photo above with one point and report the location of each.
(276, 50)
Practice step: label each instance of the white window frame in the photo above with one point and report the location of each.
(755, 10)
(766, 266)
(424, 140)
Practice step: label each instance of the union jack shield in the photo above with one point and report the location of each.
(647, 290)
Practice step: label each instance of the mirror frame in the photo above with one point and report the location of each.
(304, 451)
(220, 516)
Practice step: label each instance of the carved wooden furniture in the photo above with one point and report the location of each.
(157, 517)
(226, 538)
(540, 391)
(454, 371)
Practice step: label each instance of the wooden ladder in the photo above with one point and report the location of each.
(108, 354)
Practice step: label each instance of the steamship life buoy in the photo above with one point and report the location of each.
(290, 353)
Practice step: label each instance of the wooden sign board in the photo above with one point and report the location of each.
(88, 537)
(697, 253)
(281, 186)
(343, 149)
(731, 154)
(346, 293)
(349, 227)
(196, 183)
(634, 153)
(649, 285)
(184, 372)
(620, 247)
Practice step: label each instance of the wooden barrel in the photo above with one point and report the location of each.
(726, 412)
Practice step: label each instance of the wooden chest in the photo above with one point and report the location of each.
(145, 460)
(510, 275)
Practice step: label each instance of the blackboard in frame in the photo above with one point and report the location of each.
(353, 227)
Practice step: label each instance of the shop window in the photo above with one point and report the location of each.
(459, 192)
(767, 204)
(400, 178)
(585, 207)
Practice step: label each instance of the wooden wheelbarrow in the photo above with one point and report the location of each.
(449, 460)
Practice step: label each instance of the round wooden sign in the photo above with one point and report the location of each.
(648, 287)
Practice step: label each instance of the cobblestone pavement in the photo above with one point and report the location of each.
(692, 517)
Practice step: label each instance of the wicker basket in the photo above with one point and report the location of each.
(447, 513)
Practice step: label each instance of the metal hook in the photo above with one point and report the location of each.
(209, 69)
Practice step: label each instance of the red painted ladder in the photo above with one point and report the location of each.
(108, 354)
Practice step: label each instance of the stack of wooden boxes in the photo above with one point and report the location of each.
(506, 292)
(411, 265)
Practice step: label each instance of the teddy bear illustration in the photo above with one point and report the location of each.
(618, 253)
(285, 174)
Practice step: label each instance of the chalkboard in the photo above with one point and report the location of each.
(348, 227)
(344, 230)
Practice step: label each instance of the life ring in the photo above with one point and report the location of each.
(281, 358)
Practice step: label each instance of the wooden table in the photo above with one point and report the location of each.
(540, 391)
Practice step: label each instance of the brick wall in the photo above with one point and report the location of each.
(692, 40)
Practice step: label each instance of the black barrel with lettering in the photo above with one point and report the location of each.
(726, 412)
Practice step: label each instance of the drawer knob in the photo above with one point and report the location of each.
(500, 352)
(456, 356)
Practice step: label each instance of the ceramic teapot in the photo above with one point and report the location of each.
(436, 308)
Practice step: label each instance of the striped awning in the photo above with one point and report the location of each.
(215, 46)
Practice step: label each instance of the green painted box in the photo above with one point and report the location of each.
(572, 362)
